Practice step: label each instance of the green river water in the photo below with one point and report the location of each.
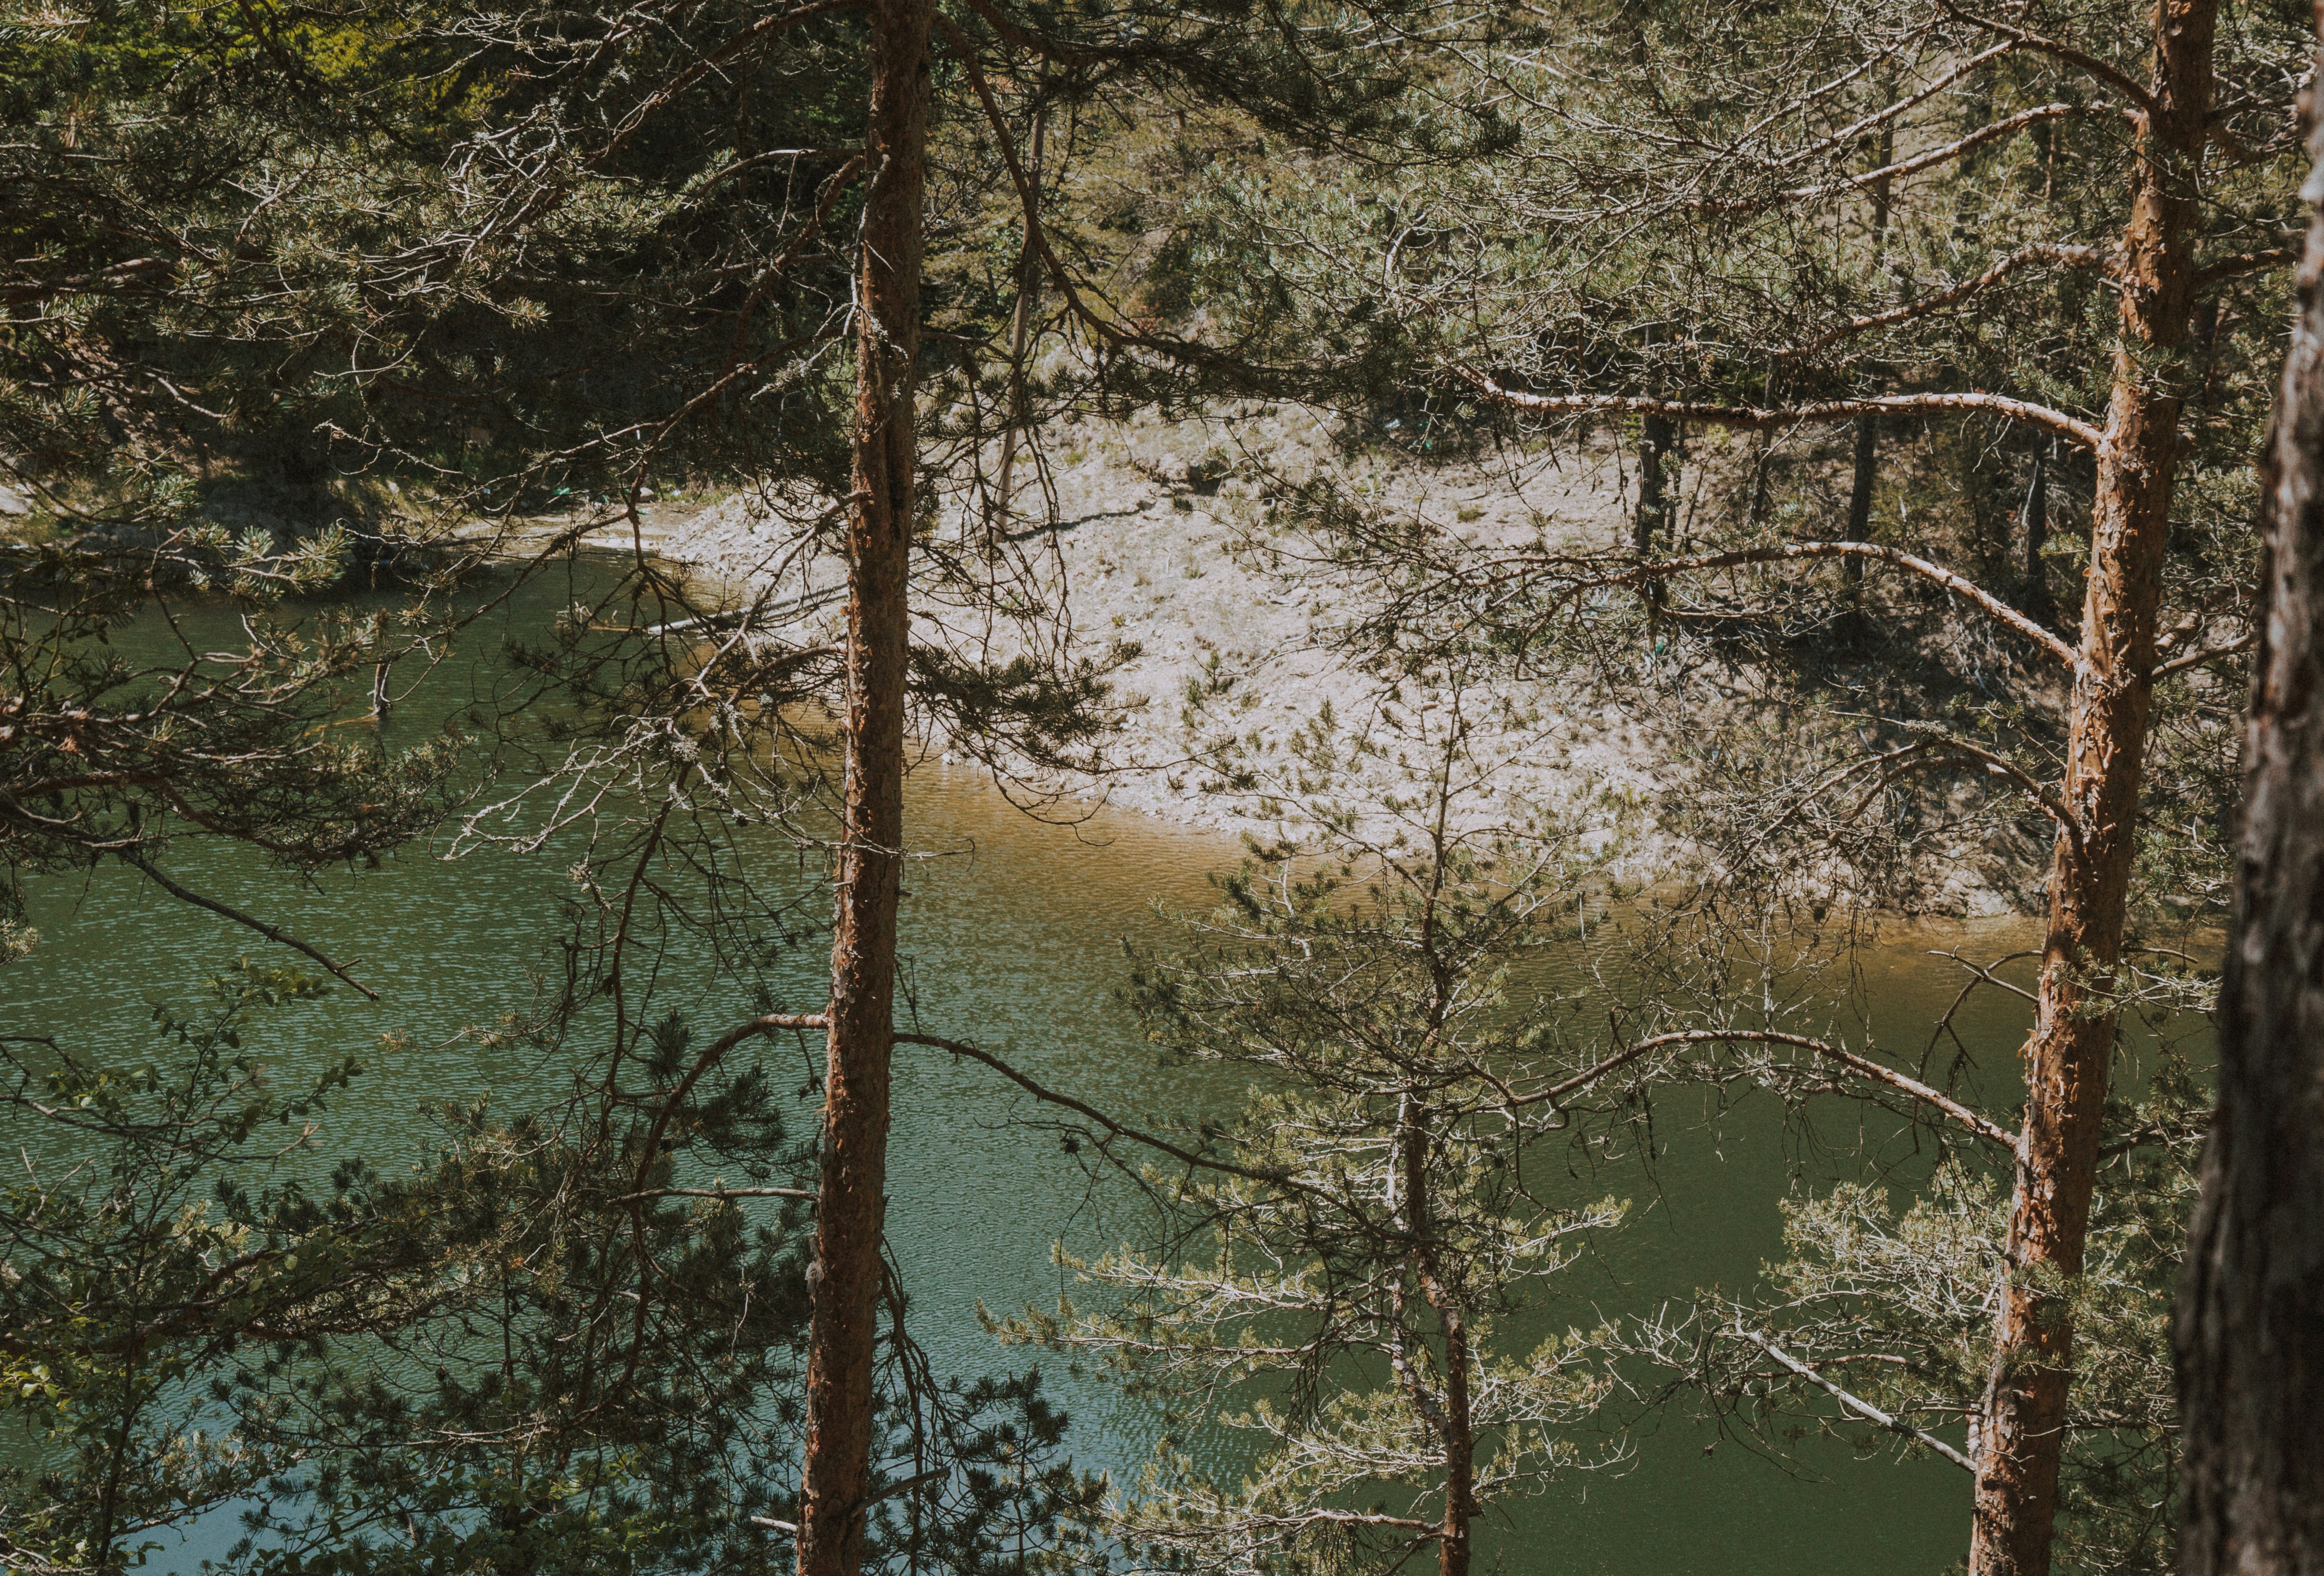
(1013, 938)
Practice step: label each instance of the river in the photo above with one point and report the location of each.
(1013, 937)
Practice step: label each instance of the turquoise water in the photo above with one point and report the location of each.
(1012, 937)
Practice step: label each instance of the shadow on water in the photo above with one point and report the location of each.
(1014, 933)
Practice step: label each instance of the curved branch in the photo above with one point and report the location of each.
(1863, 1065)
(1754, 418)
(1958, 585)
(2002, 766)
(2196, 659)
(2114, 77)
(766, 1024)
(271, 932)
(1051, 1097)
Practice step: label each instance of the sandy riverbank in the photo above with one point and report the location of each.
(1156, 535)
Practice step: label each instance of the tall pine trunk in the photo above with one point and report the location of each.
(2250, 1325)
(1450, 1417)
(851, 1209)
(2021, 1429)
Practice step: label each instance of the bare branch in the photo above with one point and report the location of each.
(147, 270)
(2243, 262)
(1751, 418)
(801, 1194)
(2041, 792)
(1854, 132)
(271, 932)
(1864, 1065)
(1959, 585)
(1854, 1402)
(2196, 659)
(2006, 127)
(1051, 1097)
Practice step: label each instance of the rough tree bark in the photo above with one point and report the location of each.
(1449, 1416)
(851, 1210)
(2020, 1426)
(2250, 1325)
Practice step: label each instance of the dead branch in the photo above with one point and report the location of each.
(1752, 418)
(1853, 1402)
(1958, 585)
(1863, 1065)
(2006, 127)
(271, 932)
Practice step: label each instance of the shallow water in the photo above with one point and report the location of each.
(1012, 937)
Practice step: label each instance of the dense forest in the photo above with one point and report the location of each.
(1730, 598)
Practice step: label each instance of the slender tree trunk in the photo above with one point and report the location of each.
(2038, 605)
(2250, 1325)
(1652, 523)
(1656, 507)
(2021, 1429)
(852, 1203)
(1460, 1445)
(1868, 428)
(1860, 491)
(1455, 1427)
(1028, 291)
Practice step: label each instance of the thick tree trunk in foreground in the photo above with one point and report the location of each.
(2021, 1431)
(851, 1210)
(2250, 1325)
